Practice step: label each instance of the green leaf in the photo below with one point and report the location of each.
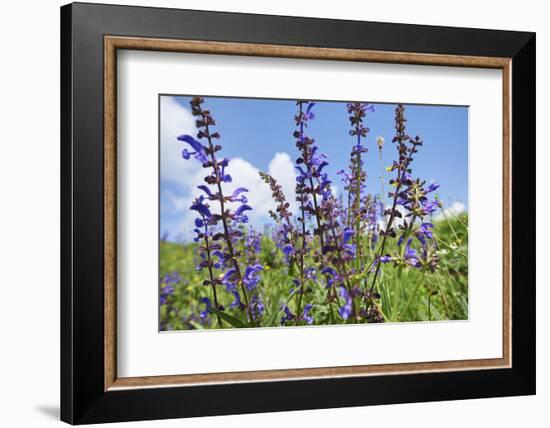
(291, 268)
(235, 322)
(197, 325)
(272, 318)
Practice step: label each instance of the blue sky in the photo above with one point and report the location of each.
(257, 135)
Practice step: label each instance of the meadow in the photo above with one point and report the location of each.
(352, 257)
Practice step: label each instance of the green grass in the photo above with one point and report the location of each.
(406, 294)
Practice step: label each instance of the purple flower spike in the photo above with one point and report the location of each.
(400, 240)
(423, 232)
(289, 316)
(329, 271)
(321, 166)
(205, 189)
(306, 314)
(251, 276)
(192, 142)
(411, 256)
(432, 187)
(201, 208)
(429, 206)
(207, 308)
(288, 250)
(242, 209)
(218, 234)
(200, 150)
(236, 193)
(256, 306)
(166, 292)
(348, 234)
(309, 114)
(227, 277)
(346, 310)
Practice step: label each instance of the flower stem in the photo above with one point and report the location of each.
(358, 172)
(413, 295)
(212, 282)
(301, 264)
(400, 173)
(450, 225)
(226, 226)
(383, 194)
(450, 247)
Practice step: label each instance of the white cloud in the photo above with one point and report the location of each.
(175, 203)
(244, 174)
(282, 169)
(456, 208)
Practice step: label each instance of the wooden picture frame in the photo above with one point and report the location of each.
(91, 390)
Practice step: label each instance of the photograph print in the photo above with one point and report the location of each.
(282, 213)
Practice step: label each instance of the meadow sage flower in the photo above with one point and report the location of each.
(218, 232)
(346, 310)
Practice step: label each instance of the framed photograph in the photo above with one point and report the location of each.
(265, 213)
